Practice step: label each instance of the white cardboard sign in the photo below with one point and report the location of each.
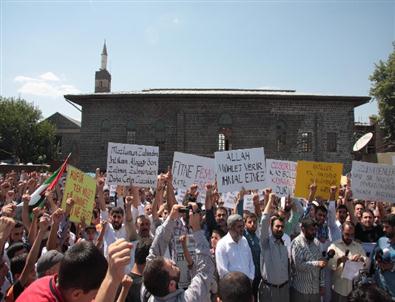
(237, 169)
(132, 164)
(374, 182)
(191, 169)
(281, 176)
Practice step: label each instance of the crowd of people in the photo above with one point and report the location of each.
(143, 245)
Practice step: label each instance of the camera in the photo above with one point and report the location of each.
(185, 210)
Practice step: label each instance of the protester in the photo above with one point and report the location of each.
(246, 248)
(345, 250)
(308, 283)
(275, 262)
(233, 253)
(235, 287)
(161, 275)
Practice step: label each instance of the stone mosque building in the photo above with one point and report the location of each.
(289, 125)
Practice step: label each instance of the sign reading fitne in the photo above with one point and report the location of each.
(237, 169)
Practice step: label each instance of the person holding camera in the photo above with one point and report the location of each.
(384, 256)
(161, 275)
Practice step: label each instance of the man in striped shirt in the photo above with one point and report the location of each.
(308, 277)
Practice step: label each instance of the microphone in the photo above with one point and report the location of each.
(330, 254)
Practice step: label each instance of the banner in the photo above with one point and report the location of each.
(237, 169)
(374, 182)
(132, 164)
(82, 188)
(323, 174)
(281, 176)
(191, 169)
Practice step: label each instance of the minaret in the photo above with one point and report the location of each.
(103, 77)
(104, 57)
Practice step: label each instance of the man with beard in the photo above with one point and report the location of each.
(346, 249)
(308, 282)
(365, 231)
(215, 217)
(143, 227)
(384, 256)
(116, 229)
(250, 221)
(274, 257)
(161, 275)
(233, 253)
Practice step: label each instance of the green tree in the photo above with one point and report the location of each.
(383, 90)
(22, 135)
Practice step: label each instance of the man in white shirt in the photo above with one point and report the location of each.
(116, 229)
(233, 253)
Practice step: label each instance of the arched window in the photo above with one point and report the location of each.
(105, 125)
(224, 143)
(131, 133)
(225, 131)
(105, 134)
(281, 135)
(160, 134)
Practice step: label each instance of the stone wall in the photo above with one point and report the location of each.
(191, 124)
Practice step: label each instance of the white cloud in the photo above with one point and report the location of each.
(24, 79)
(49, 76)
(44, 85)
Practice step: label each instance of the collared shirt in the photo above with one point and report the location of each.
(234, 256)
(42, 290)
(340, 285)
(308, 276)
(274, 256)
(255, 246)
(386, 279)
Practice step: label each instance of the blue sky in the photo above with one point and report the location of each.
(49, 48)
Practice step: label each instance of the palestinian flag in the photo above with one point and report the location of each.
(38, 196)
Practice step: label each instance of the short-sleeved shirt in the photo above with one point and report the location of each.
(42, 290)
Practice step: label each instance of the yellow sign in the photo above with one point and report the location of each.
(323, 174)
(82, 188)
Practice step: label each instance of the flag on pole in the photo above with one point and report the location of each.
(38, 196)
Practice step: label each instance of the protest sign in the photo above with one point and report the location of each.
(132, 164)
(248, 203)
(281, 176)
(180, 195)
(82, 188)
(191, 169)
(180, 258)
(237, 169)
(323, 174)
(229, 199)
(373, 181)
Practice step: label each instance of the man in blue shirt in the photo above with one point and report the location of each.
(384, 256)
(250, 222)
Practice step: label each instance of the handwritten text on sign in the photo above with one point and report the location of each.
(373, 181)
(281, 176)
(132, 164)
(240, 168)
(323, 174)
(191, 169)
(82, 188)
